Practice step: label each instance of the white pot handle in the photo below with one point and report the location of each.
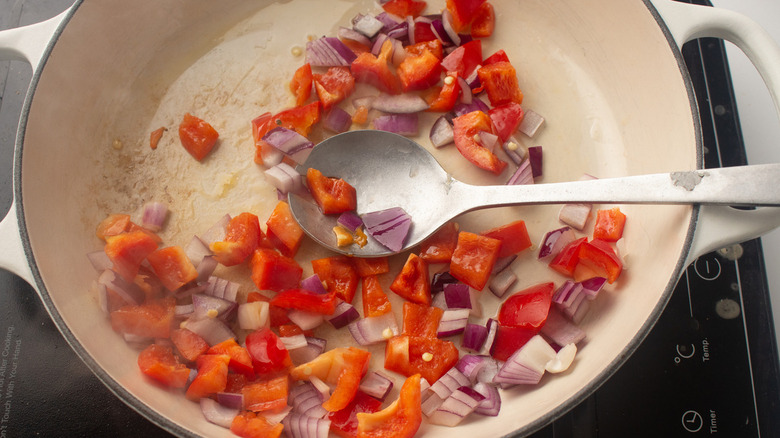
(720, 226)
(27, 44)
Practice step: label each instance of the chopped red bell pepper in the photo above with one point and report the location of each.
(333, 195)
(423, 33)
(375, 301)
(334, 86)
(344, 422)
(412, 282)
(463, 13)
(268, 353)
(484, 22)
(240, 360)
(401, 419)
(128, 250)
(342, 367)
(308, 301)
(527, 308)
(464, 60)
(147, 320)
(444, 98)
(300, 119)
(513, 236)
(376, 71)
(112, 225)
(599, 257)
(510, 339)
(421, 321)
(242, 237)
(499, 56)
(429, 357)
(189, 344)
(434, 46)
(197, 136)
(274, 271)
(372, 266)
(439, 247)
(211, 377)
(172, 267)
(338, 274)
(506, 118)
(301, 84)
(403, 8)
(501, 83)
(159, 363)
(474, 258)
(266, 395)
(567, 259)
(283, 230)
(609, 225)
(251, 425)
(419, 72)
(466, 129)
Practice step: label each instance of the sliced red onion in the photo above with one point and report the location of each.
(216, 413)
(526, 365)
(305, 320)
(231, 400)
(571, 300)
(206, 268)
(575, 215)
(100, 260)
(473, 78)
(305, 399)
(446, 21)
(376, 49)
(207, 306)
(389, 227)
(453, 322)
(313, 283)
(345, 313)
(449, 383)
(337, 120)
(328, 52)
(456, 407)
(222, 288)
(303, 426)
(513, 150)
(522, 175)
(314, 347)
(592, 286)
(560, 330)
(376, 385)
(562, 360)
(154, 216)
(466, 96)
(284, 177)
(352, 34)
(389, 20)
(500, 283)
(471, 365)
(375, 329)
(401, 124)
(292, 144)
(531, 123)
(410, 26)
(535, 158)
(350, 220)
(367, 25)
(437, 26)
(216, 233)
(554, 241)
(254, 315)
(129, 292)
(492, 327)
(399, 32)
(441, 133)
(294, 341)
(491, 404)
(474, 336)
(456, 296)
(476, 104)
(212, 330)
(399, 103)
(196, 249)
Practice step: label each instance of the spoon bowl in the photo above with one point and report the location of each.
(389, 170)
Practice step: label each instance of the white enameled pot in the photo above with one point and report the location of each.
(606, 74)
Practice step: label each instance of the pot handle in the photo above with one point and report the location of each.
(720, 226)
(27, 44)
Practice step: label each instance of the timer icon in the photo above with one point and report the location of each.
(692, 421)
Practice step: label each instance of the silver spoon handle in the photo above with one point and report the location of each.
(755, 185)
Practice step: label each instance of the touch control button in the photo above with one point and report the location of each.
(692, 421)
(707, 267)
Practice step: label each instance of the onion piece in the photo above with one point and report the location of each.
(389, 20)
(399, 103)
(488, 140)
(441, 279)
(389, 227)
(410, 26)
(217, 413)
(313, 284)
(350, 220)
(352, 34)
(526, 365)
(560, 330)
(303, 426)
(456, 296)
(292, 144)
(374, 329)
(154, 215)
(196, 249)
(294, 341)
(131, 293)
(449, 383)
(474, 336)
(183, 310)
(337, 120)
(531, 123)
(305, 399)
(446, 21)
(453, 322)
(231, 400)
(329, 52)
(401, 124)
(99, 260)
(367, 25)
(437, 26)
(284, 177)
(592, 286)
(254, 315)
(456, 407)
(491, 404)
(345, 313)
(476, 104)
(207, 306)
(522, 175)
(314, 347)
(471, 365)
(466, 96)
(399, 32)
(575, 215)
(562, 360)
(216, 233)
(500, 283)
(376, 385)
(554, 241)
(513, 150)
(535, 158)
(503, 262)
(208, 264)
(492, 328)
(212, 330)
(441, 133)
(305, 320)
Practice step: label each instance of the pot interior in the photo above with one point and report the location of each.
(603, 75)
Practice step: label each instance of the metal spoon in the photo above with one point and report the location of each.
(389, 170)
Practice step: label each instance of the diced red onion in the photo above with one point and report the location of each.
(441, 279)
(554, 241)
(470, 365)
(376, 385)
(205, 269)
(294, 341)
(456, 407)
(575, 215)
(196, 249)
(488, 140)
(189, 290)
(284, 177)
(305, 320)
(345, 313)
(401, 124)
(522, 175)
(128, 291)
(449, 383)
(441, 133)
(437, 27)
(183, 310)
(473, 78)
(305, 399)
(350, 220)
(399, 103)
(466, 96)
(456, 296)
(446, 20)
(503, 263)
(526, 365)
(365, 101)
(207, 306)
(513, 150)
(389, 20)
(254, 315)
(492, 327)
(592, 286)
(102, 294)
(216, 233)
(374, 329)
(329, 52)
(430, 402)
(337, 120)
(476, 104)
(491, 404)
(100, 260)
(410, 25)
(474, 337)
(154, 216)
(562, 360)
(367, 25)
(313, 283)
(531, 123)
(489, 370)
(217, 413)
(231, 400)
(399, 32)
(352, 34)
(453, 322)
(212, 330)
(320, 386)
(535, 158)
(399, 52)
(303, 426)
(292, 144)
(314, 347)
(569, 297)
(560, 330)
(379, 41)
(389, 227)
(476, 302)
(500, 283)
